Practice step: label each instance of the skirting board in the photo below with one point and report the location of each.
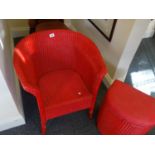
(11, 123)
(150, 30)
(19, 31)
(107, 80)
(149, 34)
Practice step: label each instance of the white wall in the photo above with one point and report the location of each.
(118, 53)
(11, 111)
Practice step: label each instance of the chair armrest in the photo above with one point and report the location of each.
(36, 92)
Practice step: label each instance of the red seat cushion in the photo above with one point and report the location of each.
(60, 89)
(131, 103)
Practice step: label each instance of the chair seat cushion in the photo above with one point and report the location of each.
(131, 104)
(63, 89)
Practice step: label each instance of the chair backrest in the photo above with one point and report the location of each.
(46, 51)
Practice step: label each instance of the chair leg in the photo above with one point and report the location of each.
(43, 119)
(43, 128)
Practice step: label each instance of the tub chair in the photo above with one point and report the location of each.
(62, 69)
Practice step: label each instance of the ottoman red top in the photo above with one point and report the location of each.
(131, 103)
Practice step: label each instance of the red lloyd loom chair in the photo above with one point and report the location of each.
(62, 69)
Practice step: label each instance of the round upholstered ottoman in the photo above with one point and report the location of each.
(126, 111)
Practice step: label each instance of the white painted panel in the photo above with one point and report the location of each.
(9, 114)
(11, 110)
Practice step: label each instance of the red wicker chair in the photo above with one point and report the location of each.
(62, 69)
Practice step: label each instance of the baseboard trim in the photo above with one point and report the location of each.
(149, 34)
(107, 80)
(11, 123)
(19, 31)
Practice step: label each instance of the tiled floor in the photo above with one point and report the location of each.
(143, 65)
(141, 73)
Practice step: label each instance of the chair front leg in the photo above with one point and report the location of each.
(43, 127)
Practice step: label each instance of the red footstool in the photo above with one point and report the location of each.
(126, 111)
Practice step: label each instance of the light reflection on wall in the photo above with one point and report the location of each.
(144, 81)
(1, 45)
